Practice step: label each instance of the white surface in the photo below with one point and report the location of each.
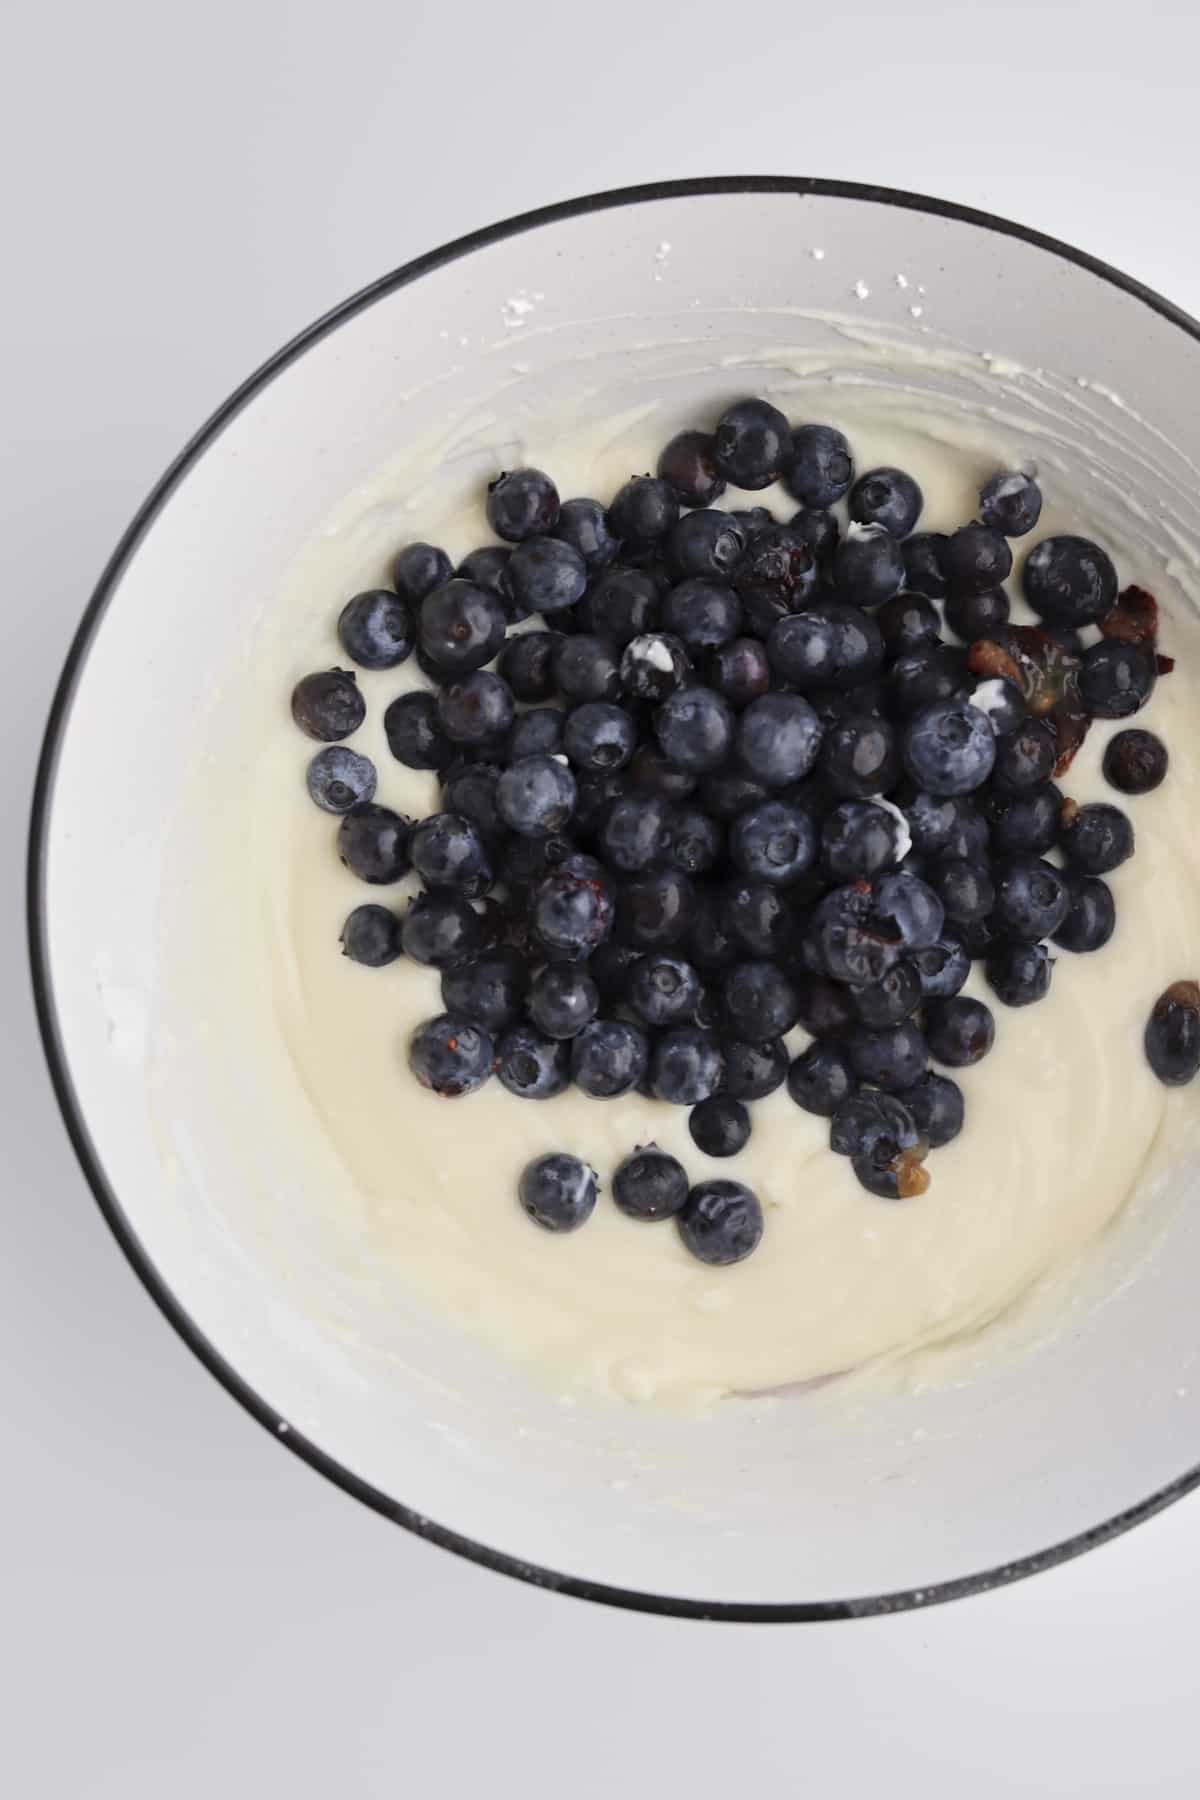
(186, 1609)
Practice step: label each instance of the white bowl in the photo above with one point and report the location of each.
(656, 292)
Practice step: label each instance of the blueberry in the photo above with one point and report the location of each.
(686, 1065)
(1097, 838)
(688, 466)
(937, 1108)
(778, 738)
(859, 839)
(705, 543)
(650, 772)
(608, 1058)
(693, 841)
(417, 570)
(923, 572)
(649, 1184)
(1069, 580)
(752, 444)
(1172, 1038)
(886, 497)
(531, 1065)
(633, 834)
(868, 566)
(1010, 502)
(471, 791)
(339, 779)
(1032, 898)
(949, 747)
(447, 851)
(373, 843)
(558, 1191)
(571, 909)
(866, 1117)
(583, 524)
(487, 568)
(834, 646)
(522, 503)
(537, 732)
(820, 1079)
(820, 468)
(643, 511)
(979, 615)
(440, 929)
(752, 1071)
(890, 1000)
(1026, 824)
(327, 705)
(1025, 758)
(889, 1057)
(777, 575)
(960, 1031)
(1091, 917)
(1135, 762)
(653, 666)
(720, 1126)
(694, 727)
(721, 1222)
(965, 889)
(908, 907)
(740, 671)
(758, 1001)
(585, 668)
(1019, 974)
(653, 909)
(536, 795)
(849, 941)
(908, 623)
(663, 990)
(975, 560)
(819, 530)
(774, 842)
(621, 604)
(824, 1006)
(599, 736)
(461, 627)
(758, 918)
(702, 612)
(942, 968)
(1003, 703)
(377, 629)
(562, 1000)
(924, 677)
(371, 935)
(488, 989)
(860, 757)
(527, 665)
(546, 575)
(1116, 679)
(476, 709)
(450, 1055)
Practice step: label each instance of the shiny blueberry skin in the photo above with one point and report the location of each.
(1097, 839)
(702, 612)
(977, 615)
(1025, 758)
(721, 1223)
(821, 467)
(527, 664)
(371, 935)
(758, 1001)
(910, 907)
(571, 909)
(450, 1055)
(608, 1058)
(653, 666)
(583, 524)
(1032, 898)
(959, 1032)
(908, 623)
(1010, 502)
(859, 839)
(327, 705)
(779, 738)
(1135, 762)
(686, 1065)
(417, 570)
(819, 530)
(760, 919)
(586, 668)
(621, 604)
(562, 1000)
(975, 559)
(537, 732)
(476, 708)
(377, 629)
(447, 851)
(774, 842)
(890, 1000)
(720, 1126)
(924, 677)
(890, 1057)
(830, 646)
(705, 543)
(694, 728)
(752, 1071)
(1019, 974)
(460, 627)
(1091, 917)
(531, 1065)
(1172, 1038)
(886, 497)
(949, 748)
(649, 1184)
(937, 1108)
(440, 929)
(860, 757)
(923, 572)
(752, 444)
(777, 575)
(663, 990)
(868, 566)
(414, 735)
(688, 466)
(942, 967)
(1026, 824)
(866, 1117)
(339, 779)
(1069, 580)
(965, 889)
(820, 1080)
(1116, 679)
(644, 511)
(653, 910)
(558, 1191)
(487, 568)
(693, 840)
(599, 736)
(522, 503)
(546, 575)
(488, 989)
(849, 941)
(373, 843)
(536, 796)
(633, 834)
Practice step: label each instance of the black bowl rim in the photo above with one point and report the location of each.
(154, 1283)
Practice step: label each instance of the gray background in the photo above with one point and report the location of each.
(185, 1609)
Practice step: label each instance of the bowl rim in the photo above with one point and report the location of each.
(105, 1196)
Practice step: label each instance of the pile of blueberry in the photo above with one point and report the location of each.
(729, 776)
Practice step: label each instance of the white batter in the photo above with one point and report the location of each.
(1062, 1118)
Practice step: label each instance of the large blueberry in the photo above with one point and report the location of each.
(450, 1055)
(779, 738)
(949, 748)
(536, 795)
(685, 1065)
(377, 629)
(373, 842)
(1032, 898)
(1010, 501)
(1069, 580)
(688, 466)
(460, 627)
(608, 1058)
(339, 779)
(447, 851)
(775, 842)
(558, 1191)
(572, 908)
(722, 1222)
(705, 543)
(488, 989)
(545, 575)
(886, 497)
(531, 1065)
(327, 705)
(753, 444)
(649, 1184)
(583, 524)
(868, 566)
(643, 511)
(694, 727)
(522, 503)
(821, 467)
(371, 935)
(702, 612)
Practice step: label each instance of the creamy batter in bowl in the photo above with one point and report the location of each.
(349, 1246)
